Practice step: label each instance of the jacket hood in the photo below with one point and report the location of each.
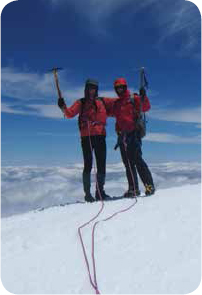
(88, 83)
(120, 81)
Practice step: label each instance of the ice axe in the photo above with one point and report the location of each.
(55, 73)
(143, 79)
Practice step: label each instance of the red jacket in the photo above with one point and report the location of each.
(123, 110)
(92, 116)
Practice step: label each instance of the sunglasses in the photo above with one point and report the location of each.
(120, 87)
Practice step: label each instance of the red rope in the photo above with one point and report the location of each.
(111, 216)
(94, 280)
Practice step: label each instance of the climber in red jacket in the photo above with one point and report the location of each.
(92, 122)
(129, 141)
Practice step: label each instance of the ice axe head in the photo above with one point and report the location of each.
(55, 70)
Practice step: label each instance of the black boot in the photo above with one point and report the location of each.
(101, 196)
(131, 194)
(86, 186)
(89, 198)
(100, 193)
(149, 189)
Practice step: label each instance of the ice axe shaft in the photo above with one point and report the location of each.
(55, 73)
(142, 77)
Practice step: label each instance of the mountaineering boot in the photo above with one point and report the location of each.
(149, 189)
(86, 187)
(89, 198)
(131, 194)
(103, 196)
(100, 183)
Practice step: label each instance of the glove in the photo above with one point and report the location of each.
(142, 91)
(61, 103)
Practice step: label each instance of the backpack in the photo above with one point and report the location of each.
(82, 100)
(140, 118)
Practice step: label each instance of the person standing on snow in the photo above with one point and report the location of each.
(129, 139)
(92, 121)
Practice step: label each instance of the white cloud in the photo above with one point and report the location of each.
(180, 19)
(7, 108)
(171, 138)
(28, 85)
(188, 115)
(171, 19)
(25, 85)
(99, 9)
(25, 188)
(99, 13)
(56, 134)
(46, 111)
(110, 93)
(52, 111)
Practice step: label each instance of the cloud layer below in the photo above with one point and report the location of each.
(28, 188)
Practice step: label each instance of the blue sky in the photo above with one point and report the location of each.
(101, 39)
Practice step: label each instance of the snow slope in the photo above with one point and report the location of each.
(153, 248)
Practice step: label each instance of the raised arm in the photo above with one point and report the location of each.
(71, 111)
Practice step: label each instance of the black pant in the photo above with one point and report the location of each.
(98, 143)
(131, 154)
